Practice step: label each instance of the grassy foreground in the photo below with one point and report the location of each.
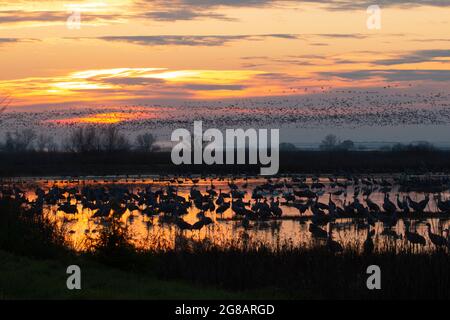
(27, 278)
(34, 258)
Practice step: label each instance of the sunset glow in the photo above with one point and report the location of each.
(128, 52)
(105, 118)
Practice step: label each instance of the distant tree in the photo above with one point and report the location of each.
(329, 142)
(386, 148)
(45, 143)
(399, 147)
(422, 146)
(19, 140)
(285, 146)
(83, 139)
(41, 142)
(346, 145)
(112, 140)
(145, 142)
(9, 142)
(362, 147)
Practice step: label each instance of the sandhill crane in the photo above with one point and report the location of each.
(420, 206)
(305, 194)
(288, 196)
(118, 210)
(317, 185)
(317, 232)
(316, 210)
(443, 206)
(201, 223)
(333, 246)
(150, 212)
(437, 240)
(413, 237)
(360, 209)
(68, 208)
(103, 210)
(220, 198)
(372, 205)
(402, 204)
(388, 232)
(246, 223)
(132, 207)
(183, 225)
(223, 207)
(447, 234)
(356, 192)
(320, 205)
(368, 245)
(275, 208)
(331, 204)
(388, 205)
(207, 221)
(302, 207)
(322, 219)
(350, 207)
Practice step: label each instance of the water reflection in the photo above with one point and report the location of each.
(158, 212)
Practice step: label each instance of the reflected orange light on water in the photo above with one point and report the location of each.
(151, 232)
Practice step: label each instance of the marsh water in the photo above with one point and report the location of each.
(291, 229)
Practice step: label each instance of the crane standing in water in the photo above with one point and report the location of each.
(420, 206)
(437, 240)
(169, 206)
(332, 245)
(368, 245)
(413, 237)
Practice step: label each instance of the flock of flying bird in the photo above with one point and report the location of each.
(261, 202)
(333, 109)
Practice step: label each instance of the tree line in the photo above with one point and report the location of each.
(81, 140)
(332, 142)
(111, 139)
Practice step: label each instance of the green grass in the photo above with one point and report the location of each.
(26, 278)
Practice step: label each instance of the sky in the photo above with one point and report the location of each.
(131, 52)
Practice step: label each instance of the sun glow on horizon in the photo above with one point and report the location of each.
(105, 118)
